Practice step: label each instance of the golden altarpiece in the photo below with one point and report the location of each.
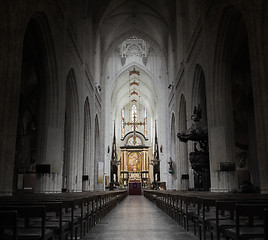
(134, 167)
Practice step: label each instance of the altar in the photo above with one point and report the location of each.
(134, 168)
(134, 188)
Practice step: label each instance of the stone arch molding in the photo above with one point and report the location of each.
(199, 91)
(230, 20)
(231, 36)
(53, 103)
(129, 135)
(51, 114)
(73, 135)
(98, 162)
(150, 88)
(185, 178)
(173, 136)
(130, 65)
(87, 146)
(198, 71)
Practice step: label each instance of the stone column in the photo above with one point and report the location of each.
(258, 49)
(221, 181)
(10, 74)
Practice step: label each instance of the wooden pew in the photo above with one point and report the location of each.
(209, 214)
(250, 211)
(79, 211)
(27, 213)
(265, 224)
(69, 220)
(60, 229)
(225, 215)
(66, 221)
(199, 208)
(8, 225)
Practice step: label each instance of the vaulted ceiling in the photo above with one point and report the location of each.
(123, 94)
(153, 20)
(113, 23)
(118, 20)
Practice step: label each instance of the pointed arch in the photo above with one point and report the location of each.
(98, 162)
(37, 112)
(230, 27)
(183, 150)
(86, 147)
(199, 92)
(173, 150)
(232, 99)
(199, 98)
(71, 139)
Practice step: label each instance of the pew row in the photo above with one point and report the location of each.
(65, 215)
(213, 215)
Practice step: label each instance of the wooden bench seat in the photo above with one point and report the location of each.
(225, 216)
(8, 225)
(27, 213)
(198, 209)
(252, 212)
(54, 212)
(76, 215)
(265, 224)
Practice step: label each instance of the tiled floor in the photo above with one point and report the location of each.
(136, 218)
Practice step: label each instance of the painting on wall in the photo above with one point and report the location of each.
(134, 162)
(100, 172)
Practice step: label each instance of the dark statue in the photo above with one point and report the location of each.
(199, 158)
(170, 163)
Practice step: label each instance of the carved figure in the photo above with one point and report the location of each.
(197, 132)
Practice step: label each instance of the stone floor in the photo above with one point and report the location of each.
(136, 218)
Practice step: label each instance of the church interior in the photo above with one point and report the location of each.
(163, 100)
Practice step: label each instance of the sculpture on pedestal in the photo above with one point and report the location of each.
(199, 158)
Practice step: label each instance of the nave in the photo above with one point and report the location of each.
(117, 215)
(102, 99)
(136, 218)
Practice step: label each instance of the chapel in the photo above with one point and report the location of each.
(133, 96)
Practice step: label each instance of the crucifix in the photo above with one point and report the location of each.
(134, 124)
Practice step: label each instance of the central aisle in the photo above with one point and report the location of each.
(136, 218)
